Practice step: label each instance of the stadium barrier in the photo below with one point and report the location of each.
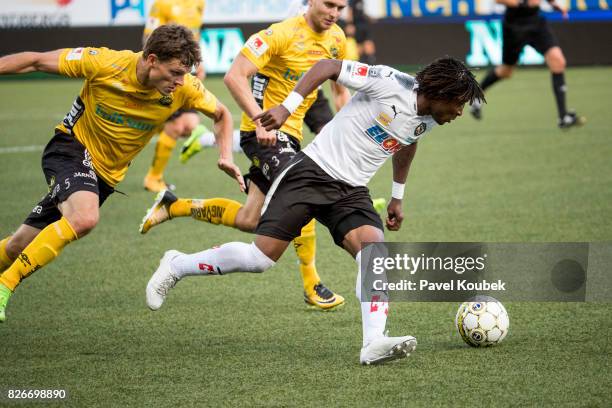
(397, 42)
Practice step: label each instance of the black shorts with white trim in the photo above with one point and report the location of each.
(67, 167)
(304, 191)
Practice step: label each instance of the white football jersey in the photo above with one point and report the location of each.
(380, 119)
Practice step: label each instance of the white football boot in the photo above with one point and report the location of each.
(162, 281)
(384, 349)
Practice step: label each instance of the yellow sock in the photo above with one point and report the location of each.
(163, 152)
(213, 210)
(305, 247)
(42, 250)
(5, 261)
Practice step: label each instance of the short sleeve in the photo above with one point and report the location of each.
(81, 62)
(198, 97)
(376, 81)
(261, 46)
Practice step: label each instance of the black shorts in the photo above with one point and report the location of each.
(179, 112)
(267, 161)
(67, 166)
(533, 32)
(319, 113)
(304, 191)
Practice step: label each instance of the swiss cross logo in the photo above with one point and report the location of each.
(359, 72)
(257, 45)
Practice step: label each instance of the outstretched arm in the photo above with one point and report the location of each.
(24, 62)
(319, 73)
(401, 165)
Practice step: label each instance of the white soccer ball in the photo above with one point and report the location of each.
(482, 321)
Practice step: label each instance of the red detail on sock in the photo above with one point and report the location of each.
(373, 305)
(206, 267)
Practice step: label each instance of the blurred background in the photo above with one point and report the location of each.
(405, 32)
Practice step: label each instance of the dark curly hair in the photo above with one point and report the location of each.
(449, 79)
(173, 41)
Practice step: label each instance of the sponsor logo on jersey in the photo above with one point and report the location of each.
(360, 70)
(383, 139)
(334, 52)
(92, 52)
(291, 75)
(165, 100)
(71, 118)
(259, 83)
(75, 54)
(120, 119)
(257, 45)
(269, 31)
(419, 130)
(383, 119)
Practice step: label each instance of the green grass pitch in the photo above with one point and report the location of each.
(81, 323)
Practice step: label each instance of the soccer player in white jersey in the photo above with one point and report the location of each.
(389, 113)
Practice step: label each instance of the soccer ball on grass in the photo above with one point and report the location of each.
(482, 321)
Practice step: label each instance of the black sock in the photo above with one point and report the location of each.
(489, 79)
(558, 83)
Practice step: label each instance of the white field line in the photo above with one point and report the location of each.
(34, 148)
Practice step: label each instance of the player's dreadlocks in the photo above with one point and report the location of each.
(173, 41)
(449, 79)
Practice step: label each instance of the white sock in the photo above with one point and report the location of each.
(373, 314)
(230, 257)
(208, 140)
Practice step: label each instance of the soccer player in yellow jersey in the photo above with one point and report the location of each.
(274, 59)
(183, 123)
(125, 99)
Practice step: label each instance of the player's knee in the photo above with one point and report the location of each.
(504, 73)
(558, 64)
(260, 261)
(246, 222)
(84, 223)
(173, 129)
